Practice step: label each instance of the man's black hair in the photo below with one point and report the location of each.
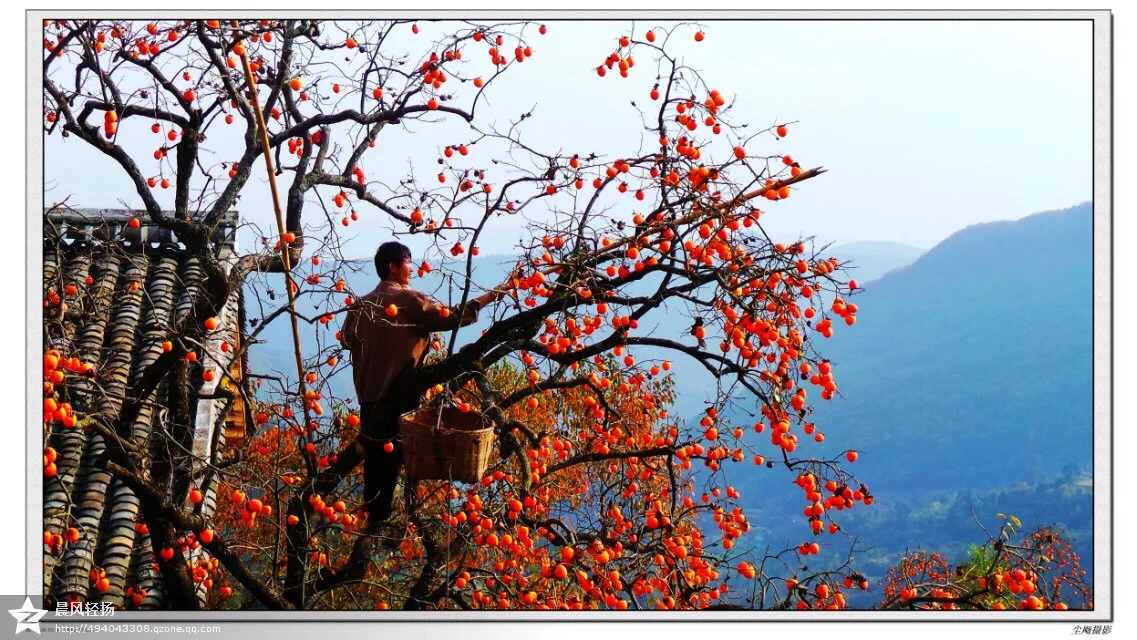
(390, 253)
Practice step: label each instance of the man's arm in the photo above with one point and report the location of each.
(489, 297)
(435, 316)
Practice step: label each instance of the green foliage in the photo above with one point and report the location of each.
(1012, 570)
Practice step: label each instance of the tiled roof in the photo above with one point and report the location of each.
(120, 291)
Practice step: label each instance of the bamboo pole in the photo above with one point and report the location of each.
(262, 131)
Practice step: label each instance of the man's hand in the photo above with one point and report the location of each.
(493, 295)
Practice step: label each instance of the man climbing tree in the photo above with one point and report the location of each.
(388, 333)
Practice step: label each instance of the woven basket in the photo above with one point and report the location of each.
(457, 447)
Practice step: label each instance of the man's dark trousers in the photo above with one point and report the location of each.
(379, 425)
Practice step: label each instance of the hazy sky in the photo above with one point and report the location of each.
(925, 127)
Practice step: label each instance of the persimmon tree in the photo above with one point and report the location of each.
(599, 498)
(1011, 570)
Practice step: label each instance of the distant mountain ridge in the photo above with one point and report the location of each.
(872, 259)
(966, 386)
(975, 360)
